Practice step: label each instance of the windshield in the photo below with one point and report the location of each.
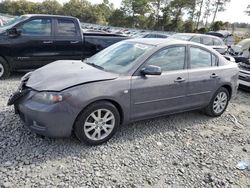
(181, 37)
(13, 22)
(120, 57)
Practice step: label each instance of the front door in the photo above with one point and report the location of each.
(34, 47)
(166, 93)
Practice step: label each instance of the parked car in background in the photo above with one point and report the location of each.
(241, 53)
(155, 35)
(244, 75)
(241, 50)
(132, 80)
(151, 35)
(215, 42)
(226, 36)
(31, 41)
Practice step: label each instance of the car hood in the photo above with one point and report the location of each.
(64, 74)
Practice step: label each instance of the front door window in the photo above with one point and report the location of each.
(37, 27)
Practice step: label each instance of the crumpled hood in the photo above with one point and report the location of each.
(63, 74)
(237, 48)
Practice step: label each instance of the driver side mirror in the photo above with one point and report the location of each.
(14, 32)
(151, 70)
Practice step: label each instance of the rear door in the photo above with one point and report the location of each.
(204, 76)
(34, 47)
(68, 39)
(165, 93)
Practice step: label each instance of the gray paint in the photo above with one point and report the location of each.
(63, 74)
(138, 96)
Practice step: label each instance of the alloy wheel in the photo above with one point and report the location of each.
(220, 102)
(99, 124)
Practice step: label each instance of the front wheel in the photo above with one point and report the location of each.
(97, 123)
(219, 103)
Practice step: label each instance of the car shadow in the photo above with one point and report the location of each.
(146, 128)
(19, 146)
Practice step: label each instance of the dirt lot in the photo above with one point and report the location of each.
(184, 150)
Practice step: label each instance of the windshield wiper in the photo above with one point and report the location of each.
(94, 65)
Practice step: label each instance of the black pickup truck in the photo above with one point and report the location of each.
(31, 41)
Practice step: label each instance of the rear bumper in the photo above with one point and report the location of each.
(47, 120)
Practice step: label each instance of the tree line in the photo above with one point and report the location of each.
(167, 15)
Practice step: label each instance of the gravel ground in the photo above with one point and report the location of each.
(184, 150)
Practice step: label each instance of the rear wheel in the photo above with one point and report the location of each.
(98, 123)
(219, 103)
(4, 69)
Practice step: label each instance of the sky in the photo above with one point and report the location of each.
(234, 10)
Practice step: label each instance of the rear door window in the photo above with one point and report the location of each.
(200, 58)
(207, 41)
(66, 28)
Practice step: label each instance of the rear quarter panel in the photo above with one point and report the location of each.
(229, 76)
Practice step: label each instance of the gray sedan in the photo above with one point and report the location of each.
(129, 81)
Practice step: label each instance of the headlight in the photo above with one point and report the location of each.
(49, 97)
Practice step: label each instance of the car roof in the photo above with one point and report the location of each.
(197, 34)
(149, 41)
(164, 41)
(222, 33)
(188, 34)
(46, 15)
(245, 43)
(245, 40)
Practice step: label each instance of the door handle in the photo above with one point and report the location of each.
(179, 80)
(47, 42)
(214, 75)
(74, 42)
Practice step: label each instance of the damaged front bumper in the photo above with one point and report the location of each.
(51, 120)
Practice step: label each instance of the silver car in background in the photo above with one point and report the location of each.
(241, 54)
(208, 40)
(128, 81)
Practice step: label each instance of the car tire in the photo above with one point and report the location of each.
(219, 103)
(97, 123)
(4, 69)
